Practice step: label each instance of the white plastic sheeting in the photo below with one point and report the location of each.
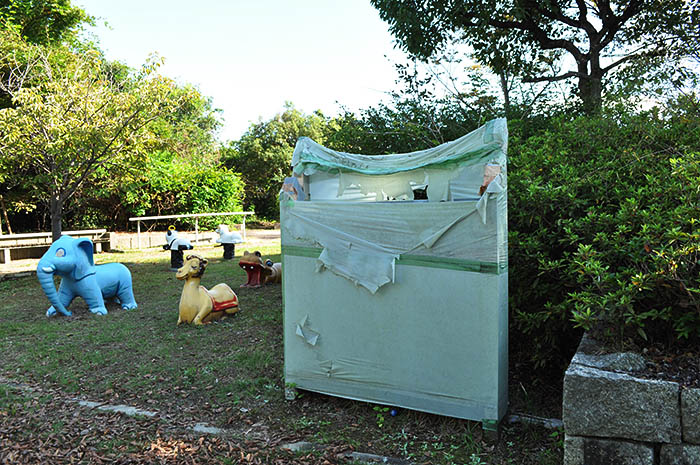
(442, 169)
(361, 241)
(399, 301)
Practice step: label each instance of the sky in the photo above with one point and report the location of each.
(252, 56)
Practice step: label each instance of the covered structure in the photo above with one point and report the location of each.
(394, 299)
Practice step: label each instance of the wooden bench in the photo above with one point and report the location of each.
(9, 242)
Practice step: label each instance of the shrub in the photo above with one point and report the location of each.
(604, 234)
(170, 186)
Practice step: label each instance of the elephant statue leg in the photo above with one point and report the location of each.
(126, 298)
(65, 296)
(90, 291)
(114, 279)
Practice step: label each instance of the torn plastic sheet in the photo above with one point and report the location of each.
(397, 186)
(486, 142)
(306, 333)
(466, 183)
(361, 240)
(434, 335)
(364, 263)
(494, 187)
(400, 186)
(436, 339)
(291, 188)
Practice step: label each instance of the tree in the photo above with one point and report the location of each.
(190, 130)
(263, 155)
(69, 123)
(598, 38)
(178, 144)
(39, 22)
(170, 186)
(406, 124)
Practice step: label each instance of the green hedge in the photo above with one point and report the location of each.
(170, 187)
(604, 234)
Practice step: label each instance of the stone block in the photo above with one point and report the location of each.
(593, 451)
(573, 450)
(690, 415)
(588, 355)
(680, 454)
(616, 405)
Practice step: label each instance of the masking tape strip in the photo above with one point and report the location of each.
(446, 263)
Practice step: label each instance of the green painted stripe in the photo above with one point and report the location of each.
(299, 251)
(457, 264)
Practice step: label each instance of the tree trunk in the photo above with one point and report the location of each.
(590, 90)
(56, 208)
(506, 94)
(4, 214)
(590, 87)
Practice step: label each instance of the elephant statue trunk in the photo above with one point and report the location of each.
(45, 273)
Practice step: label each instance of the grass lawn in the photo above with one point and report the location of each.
(228, 374)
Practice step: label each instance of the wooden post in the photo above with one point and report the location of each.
(196, 230)
(243, 228)
(138, 233)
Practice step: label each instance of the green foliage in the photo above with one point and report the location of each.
(263, 155)
(36, 22)
(190, 130)
(400, 127)
(72, 126)
(40, 21)
(546, 41)
(381, 411)
(418, 115)
(171, 186)
(604, 235)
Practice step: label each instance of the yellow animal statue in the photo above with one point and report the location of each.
(197, 304)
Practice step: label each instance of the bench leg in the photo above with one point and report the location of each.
(6, 256)
(98, 247)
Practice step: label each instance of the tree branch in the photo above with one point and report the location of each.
(561, 77)
(611, 23)
(583, 19)
(539, 35)
(652, 53)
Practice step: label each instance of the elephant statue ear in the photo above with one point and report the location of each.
(84, 263)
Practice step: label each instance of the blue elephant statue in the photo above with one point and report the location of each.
(72, 259)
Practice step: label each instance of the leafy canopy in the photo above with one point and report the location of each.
(263, 155)
(554, 40)
(70, 122)
(40, 21)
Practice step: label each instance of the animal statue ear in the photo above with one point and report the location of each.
(84, 264)
(258, 254)
(205, 262)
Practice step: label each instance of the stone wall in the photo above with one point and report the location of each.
(124, 241)
(613, 417)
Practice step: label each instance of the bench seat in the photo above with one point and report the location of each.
(9, 242)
